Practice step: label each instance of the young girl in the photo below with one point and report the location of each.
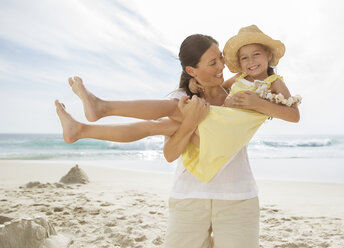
(251, 54)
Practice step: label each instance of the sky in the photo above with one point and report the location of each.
(128, 49)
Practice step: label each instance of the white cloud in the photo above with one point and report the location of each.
(83, 36)
(118, 47)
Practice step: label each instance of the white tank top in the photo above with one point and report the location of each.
(234, 181)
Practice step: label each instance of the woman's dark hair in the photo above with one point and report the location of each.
(190, 53)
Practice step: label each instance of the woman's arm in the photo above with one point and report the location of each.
(193, 113)
(176, 144)
(249, 100)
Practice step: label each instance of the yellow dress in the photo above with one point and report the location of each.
(223, 133)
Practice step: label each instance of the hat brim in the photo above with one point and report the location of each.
(230, 51)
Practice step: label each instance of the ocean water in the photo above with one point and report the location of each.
(52, 147)
(289, 157)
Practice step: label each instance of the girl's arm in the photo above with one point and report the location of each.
(195, 86)
(229, 82)
(193, 113)
(249, 100)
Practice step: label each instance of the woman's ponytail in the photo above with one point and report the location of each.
(184, 84)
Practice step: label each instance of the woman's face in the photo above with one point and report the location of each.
(254, 60)
(210, 67)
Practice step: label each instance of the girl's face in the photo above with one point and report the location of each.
(210, 67)
(254, 60)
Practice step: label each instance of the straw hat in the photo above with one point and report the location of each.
(250, 35)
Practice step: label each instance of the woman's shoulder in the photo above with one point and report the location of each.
(178, 93)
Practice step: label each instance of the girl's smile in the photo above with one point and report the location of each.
(254, 60)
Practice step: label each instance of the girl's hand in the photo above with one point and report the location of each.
(243, 100)
(194, 86)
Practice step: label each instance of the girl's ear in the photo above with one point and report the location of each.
(190, 70)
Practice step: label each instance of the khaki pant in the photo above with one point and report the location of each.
(234, 223)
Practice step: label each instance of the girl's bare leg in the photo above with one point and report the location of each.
(74, 130)
(96, 108)
(93, 106)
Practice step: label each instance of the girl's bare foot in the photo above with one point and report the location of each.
(92, 104)
(71, 127)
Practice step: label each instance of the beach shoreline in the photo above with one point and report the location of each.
(128, 208)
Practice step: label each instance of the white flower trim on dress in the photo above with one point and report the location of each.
(263, 92)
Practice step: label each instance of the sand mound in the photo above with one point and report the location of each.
(30, 233)
(75, 175)
(39, 185)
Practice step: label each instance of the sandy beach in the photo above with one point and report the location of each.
(126, 208)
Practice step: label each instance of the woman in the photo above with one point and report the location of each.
(228, 204)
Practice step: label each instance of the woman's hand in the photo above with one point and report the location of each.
(194, 111)
(243, 100)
